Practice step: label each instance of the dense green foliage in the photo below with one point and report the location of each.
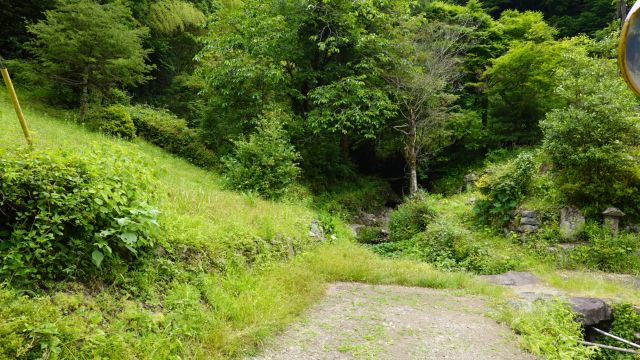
(112, 120)
(171, 133)
(423, 228)
(589, 142)
(570, 16)
(411, 218)
(366, 83)
(606, 251)
(626, 324)
(264, 163)
(70, 216)
(90, 47)
(520, 91)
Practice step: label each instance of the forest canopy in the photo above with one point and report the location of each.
(395, 89)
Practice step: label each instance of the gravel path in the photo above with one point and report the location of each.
(356, 321)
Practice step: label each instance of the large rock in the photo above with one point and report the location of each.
(380, 219)
(513, 278)
(470, 181)
(355, 228)
(316, 231)
(529, 221)
(571, 222)
(591, 311)
(527, 229)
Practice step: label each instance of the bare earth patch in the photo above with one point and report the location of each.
(357, 321)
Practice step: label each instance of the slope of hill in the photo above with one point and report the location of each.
(224, 279)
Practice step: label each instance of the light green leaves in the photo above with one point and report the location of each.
(169, 16)
(97, 256)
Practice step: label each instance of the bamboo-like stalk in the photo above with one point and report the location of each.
(16, 103)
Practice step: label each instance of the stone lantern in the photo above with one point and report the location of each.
(612, 218)
(470, 181)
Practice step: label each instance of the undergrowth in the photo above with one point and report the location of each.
(548, 329)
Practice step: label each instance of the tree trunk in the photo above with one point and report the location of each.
(344, 146)
(623, 11)
(412, 157)
(84, 97)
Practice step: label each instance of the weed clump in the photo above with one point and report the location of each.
(606, 251)
(503, 188)
(548, 329)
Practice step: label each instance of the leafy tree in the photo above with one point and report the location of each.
(589, 142)
(427, 63)
(571, 17)
(490, 40)
(176, 26)
(525, 26)
(265, 162)
(324, 60)
(248, 63)
(169, 16)
(93, 47)
(520, 86)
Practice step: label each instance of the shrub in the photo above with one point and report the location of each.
(503, 187)
(354, 196)
(265, 162)
(117, 96)
(450, 246)
(113, 120)
(71, 216)
(411, 217)
(608, 252)
(371, 235)
(171, 133)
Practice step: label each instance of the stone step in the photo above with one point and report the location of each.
(591, 311)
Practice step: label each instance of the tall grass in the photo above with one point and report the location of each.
(193, 202)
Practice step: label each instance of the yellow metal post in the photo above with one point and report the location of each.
(16, 103)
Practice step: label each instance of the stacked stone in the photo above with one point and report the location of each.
(529, 222)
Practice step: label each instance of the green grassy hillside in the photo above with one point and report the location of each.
(204, 226)
(192, 199)
(224, 279)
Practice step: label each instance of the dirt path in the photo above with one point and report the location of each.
(356, 321)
